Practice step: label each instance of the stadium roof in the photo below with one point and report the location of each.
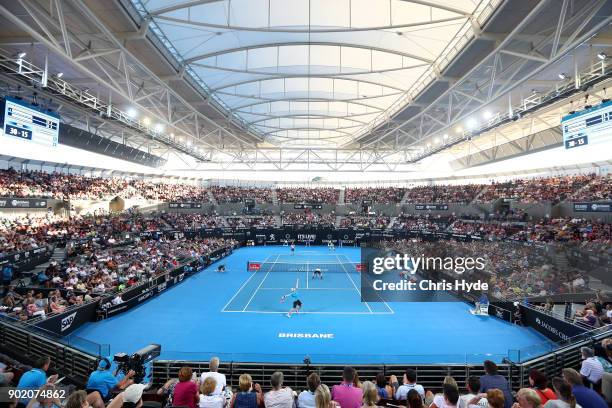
(297, 85)
(314, 72)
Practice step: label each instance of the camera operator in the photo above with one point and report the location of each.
(103, 381)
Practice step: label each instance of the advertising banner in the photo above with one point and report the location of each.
(23, 203)
(593, 207)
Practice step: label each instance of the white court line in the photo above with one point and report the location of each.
(256, 290)
(353, 282)
(351, 289)
(325, 313)
(241, 287)
(388, 307)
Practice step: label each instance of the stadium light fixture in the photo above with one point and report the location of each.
(487, 115)
(159, 127)
(131, 112)
(602, 56)
(562, 76)
(445, 137)
(458, 129)
(60, 74)
(189, 143)
(436, 140)
(471, 123)
(146, 121)
(21, 54)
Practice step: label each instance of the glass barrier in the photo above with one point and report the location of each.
(387, 359)
(79, 343)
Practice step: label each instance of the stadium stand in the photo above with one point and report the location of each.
(195, 197)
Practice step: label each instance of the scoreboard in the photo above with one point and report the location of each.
(26, 122)
(591, 126)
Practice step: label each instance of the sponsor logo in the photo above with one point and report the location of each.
(67, 321)
(161, 287)
(145, 296)
(551, 329)
(327, 336)
(306, 237)
(499, 313)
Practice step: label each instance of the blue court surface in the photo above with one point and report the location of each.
(238, 315)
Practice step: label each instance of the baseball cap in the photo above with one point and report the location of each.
(133, 393)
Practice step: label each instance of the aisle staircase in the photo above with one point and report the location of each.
(278, 220)
(405, 197)
(338, 219)
(274, 197)
(341, 196)
(58, 256)
(477, 196)
(211, 197)
(391, 222)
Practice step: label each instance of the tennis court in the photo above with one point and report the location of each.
(336, 293)
(238, 316)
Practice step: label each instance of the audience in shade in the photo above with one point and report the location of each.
(374, 221)
(308, 195)
(241, 194)
(252, 221)
(308, 218)
(378, 195)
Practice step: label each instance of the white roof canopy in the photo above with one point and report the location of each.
(313, 72)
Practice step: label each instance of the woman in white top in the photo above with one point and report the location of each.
(564, 394)
(207, 397)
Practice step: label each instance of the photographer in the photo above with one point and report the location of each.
(103, 381)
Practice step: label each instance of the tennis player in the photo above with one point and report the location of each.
(297, 303)
(292, 248)
(317, 273)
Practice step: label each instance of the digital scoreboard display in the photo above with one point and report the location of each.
(591, 126)
(26, 122)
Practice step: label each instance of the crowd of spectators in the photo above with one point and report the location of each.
(308, 195)
(252, 221)
(77, 187)
(600, 188)
(103, 269)
(430, 223)
(512, 270)
(533, 190)
(461, 194)
(587, 388)
(62, 186)
(35, 231)
(361, 221)
(193, 221)
(240, 194)
(309, 218)
(378, 195)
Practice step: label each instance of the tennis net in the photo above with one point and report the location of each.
(305, 266)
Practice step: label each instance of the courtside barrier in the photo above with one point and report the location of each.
(429, 375)
(23, 343)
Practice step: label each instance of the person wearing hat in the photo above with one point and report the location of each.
(103, 381)
(131, 397)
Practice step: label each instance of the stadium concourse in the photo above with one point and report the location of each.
(306, 203)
